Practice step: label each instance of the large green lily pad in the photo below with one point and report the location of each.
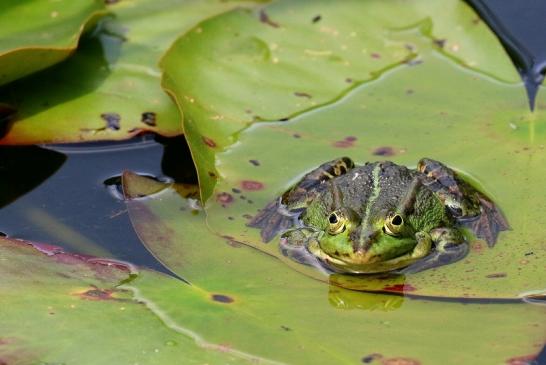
(291, 56)
(252, 302)
(434, 106)
(500, 145)
(37, 34)
(60, 308)
(110, 89)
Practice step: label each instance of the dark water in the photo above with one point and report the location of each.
(67, 195)
(57, 194)
(521, 27)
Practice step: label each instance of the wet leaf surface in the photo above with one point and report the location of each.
(253, 302)
(430, 108)
(109, 90)
(48, 34)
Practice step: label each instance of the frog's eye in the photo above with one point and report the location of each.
(394, 224)
(336, 222)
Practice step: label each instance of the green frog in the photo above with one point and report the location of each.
(379, 217)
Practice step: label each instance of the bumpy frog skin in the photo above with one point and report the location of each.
(379, 217)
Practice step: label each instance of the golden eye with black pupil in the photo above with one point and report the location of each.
(393, 225)
(336, 223)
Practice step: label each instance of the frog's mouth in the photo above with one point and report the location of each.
(360, 263)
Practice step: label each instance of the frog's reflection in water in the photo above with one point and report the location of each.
(345, 299)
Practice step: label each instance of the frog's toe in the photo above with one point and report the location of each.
(489, 223)
(446, 254)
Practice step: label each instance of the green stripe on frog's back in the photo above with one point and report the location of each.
(371, 201)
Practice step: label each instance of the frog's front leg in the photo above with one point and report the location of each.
(449, 246)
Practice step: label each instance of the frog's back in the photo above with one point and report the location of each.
(383, 183)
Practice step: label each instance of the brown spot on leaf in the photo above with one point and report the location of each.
(254, 162)
(376, 55)
(345, 143)
(496, 275)
(400, 288)
(384, 151)
(97, 294)
(349, 80)
(296, 135)
(302, 94)
(264, 18)
(112, 120)
(316, 19)
(209, 142)
(221, 298)
(148, 118)
(110, 2)
(400, 361)
(439, 42)
(252, 185)
(371, 357)
(224, 198)
(236, 191)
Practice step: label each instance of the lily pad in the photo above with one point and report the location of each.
(66, 308)
(37, 34)
(110, 89)
(252, 302)
(292, 56)
(500, 146)
(433, 106)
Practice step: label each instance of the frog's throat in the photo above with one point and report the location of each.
(359, 268)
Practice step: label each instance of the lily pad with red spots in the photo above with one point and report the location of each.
(429, 101)
(290, 57)
(251, 301)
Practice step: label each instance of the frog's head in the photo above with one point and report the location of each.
(375, 238)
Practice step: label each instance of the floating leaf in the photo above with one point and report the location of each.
(37, 34)
(66, 308)
(109, 90)
(434, 106)
(291, 56)
(253, 302)
(445, 123)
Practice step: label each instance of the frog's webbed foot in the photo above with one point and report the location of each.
(449, 247)
(273, 219)
(489, 223)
